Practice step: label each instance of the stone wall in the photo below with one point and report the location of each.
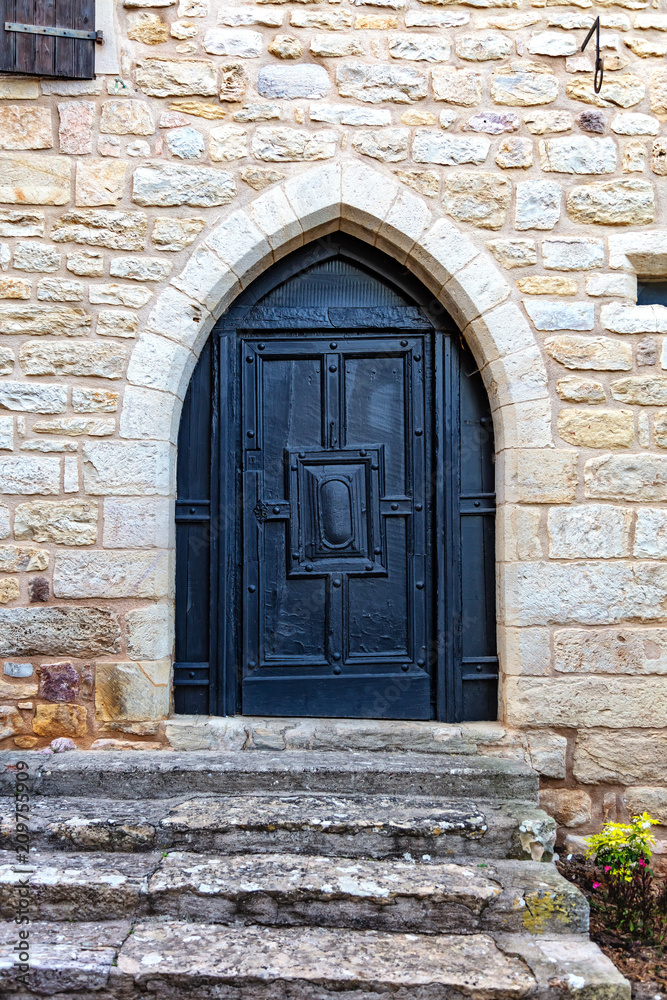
(464, 138)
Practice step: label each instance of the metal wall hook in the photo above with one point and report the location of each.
(599, 66)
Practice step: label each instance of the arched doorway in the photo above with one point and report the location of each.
(335, 532)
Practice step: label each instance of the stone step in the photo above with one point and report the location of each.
(173, 959)
(156, 774)
(325, 824)
(291, 890)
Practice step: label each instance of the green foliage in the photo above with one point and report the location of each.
(621, 847)
(627, 894)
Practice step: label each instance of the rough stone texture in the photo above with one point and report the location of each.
(616, 203)
(132, 691)
(59, 682)
(641, 477)
(513, 253)
(590, 532)
(545, 477)
(115, 230)
(524, 85)
(100, 182)
(569, 808)
(456, 86)
(431, 147)
(277, 145)
(176, 234)
(480, 198)
(630, 757)
(374, 84)
(103, 360)
(126, 117)
(110, 574)
(290, 82)
(388, 144)
(644, 390)
(597, 353)
(66, 522)
(60, 720)
(176, 78)
(35, 180)
(171, 184)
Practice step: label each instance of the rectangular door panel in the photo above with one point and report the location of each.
(335, 498)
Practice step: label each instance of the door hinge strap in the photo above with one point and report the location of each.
(39, 29)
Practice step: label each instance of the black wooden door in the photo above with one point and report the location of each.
(335, 545)
(335, 525)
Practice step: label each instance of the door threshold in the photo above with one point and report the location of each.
(238, 732)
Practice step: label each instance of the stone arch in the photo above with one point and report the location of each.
(376, 208)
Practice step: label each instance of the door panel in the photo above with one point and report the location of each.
(335, 581)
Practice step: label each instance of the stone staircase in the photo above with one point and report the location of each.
(293, 875)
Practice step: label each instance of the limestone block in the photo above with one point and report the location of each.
(523, 85)
(572, 254)
(278, 145)
(515, 153)
(419, 48)
(233, 82)
(556, 315)
(59, 290)
(635, 124)
(341, 114)
(615, 203)
(4, 522)
(634, 158)
(456, 86)
(479, 198)
(11, 721)
(147, 27)
(114, 468)
(640, 477)
(228, 142)
(597, 429)
(287, 47)
(549, 284)
(36, 257)
(132, 691)
(537, 204)
(543, 476)
(7, 433)
(425, 182)
(435, 19)
(115, 294)
(99, 182)
(53, 631)
(76, 127)
(611, 651)
(518, 533)
(623, 318)
(611, 702)
(333, 20)
(25, 127)
(513, 253)
(126, 117)
(19, 559)
(540, 122)
(292, 82)
(491, 122)
(159, 363)
(643, 253)
(149, 632)
(623, 285)
(483, 46)
(434, 147)
(333, 47)
(575, 389)
(177, 77)
(140, 268)
(171, 184)
(29, 474)
(552, 43)
(6, 360)
(115, 230)
(132, 573)
(659, 157)
(101, 360)
(375, 22)
(628, 758)
(141, 523)
(259, 112)
(641, 390)
(60, 720)
(94, 400)
(176, 234)
(18, 689)
(148, 414)
(597, 353)
(658, 93)
(388, 144)
(659, 431)
(590, 531)
(27, 397)
(75, 426)
(578, 155)
(35, 180)
(185, 143)
(373, 84)
(66, 522)
(242, 43)
(650, 799)
(14, 288)
(621, 89)
(651, 534)
(547, 753)
(569, 807)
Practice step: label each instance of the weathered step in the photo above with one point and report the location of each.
(291, 890)
(173, 959)
(156, 774)
(326, 824)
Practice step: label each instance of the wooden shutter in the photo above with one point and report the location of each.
(48, 54)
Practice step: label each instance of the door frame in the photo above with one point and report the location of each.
(225, 600)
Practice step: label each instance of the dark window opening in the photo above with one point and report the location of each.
(651, 293)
